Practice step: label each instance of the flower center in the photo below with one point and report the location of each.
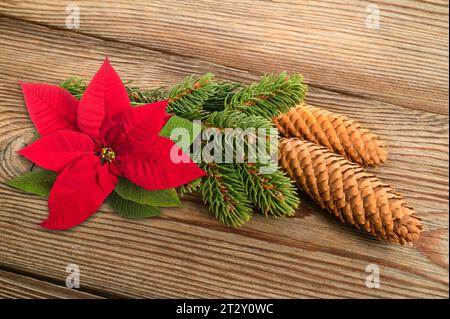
(107, 154)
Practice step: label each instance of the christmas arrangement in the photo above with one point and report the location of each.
(108, 140)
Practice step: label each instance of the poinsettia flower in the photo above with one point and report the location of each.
(92, 142)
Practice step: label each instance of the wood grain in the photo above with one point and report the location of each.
(17, 286)
(186, 253)
(405, 62)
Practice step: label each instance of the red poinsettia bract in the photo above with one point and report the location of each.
(92, 142)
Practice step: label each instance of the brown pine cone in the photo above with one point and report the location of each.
(334, 131)
(349, 192)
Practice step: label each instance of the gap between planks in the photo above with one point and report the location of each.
(16, 284)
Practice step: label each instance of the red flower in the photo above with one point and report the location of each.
(92, 142)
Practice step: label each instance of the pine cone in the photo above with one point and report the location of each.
(349, 192)
(334, 131)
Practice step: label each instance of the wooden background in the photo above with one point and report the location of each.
(393, 79)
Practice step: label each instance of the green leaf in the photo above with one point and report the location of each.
(129, 209)
(182, 131)
(165, 197)
(38, 182)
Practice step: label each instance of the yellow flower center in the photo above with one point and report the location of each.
(107, 154)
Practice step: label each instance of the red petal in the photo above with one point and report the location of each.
(57, 150)
(104, 98)
(51, 108)
(78, 192)
(136, 125)
(153, 168)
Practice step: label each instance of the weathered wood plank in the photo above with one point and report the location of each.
(405, 62)
(17, 286)
(186, 253)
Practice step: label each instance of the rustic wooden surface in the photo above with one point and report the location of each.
(17, 286)
(393, 79)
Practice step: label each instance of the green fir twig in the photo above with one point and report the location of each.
(270, 97)
(223, 191)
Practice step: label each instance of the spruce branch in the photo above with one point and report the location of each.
(244, 141)
(222, 91)
(236, 119)
(190, 187)
(187, 98)
(272, 194)
(223, 192)
(270, 97)
(77, 85)
(138, 96)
